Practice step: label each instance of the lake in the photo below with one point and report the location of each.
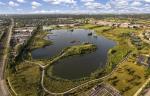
(76, 66)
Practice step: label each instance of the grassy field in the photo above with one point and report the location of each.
(117, 53)
(60, 85)
(66, 52)
(79, 49)
(39, 41)
(128, 77)
(72, 51)
(25, 81)
(56, 84)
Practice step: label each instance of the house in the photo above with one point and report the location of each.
(105, 23)
(135, 26)
(146, 35)
(143, 60)
(124, 25)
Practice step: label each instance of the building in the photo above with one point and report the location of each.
(146, 35)
(124, 25)
(135, 26)
(143, 60)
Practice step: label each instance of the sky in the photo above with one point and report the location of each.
(74, 6)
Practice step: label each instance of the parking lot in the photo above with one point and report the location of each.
(103, 90)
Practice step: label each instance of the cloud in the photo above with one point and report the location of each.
(136, 3)
(56, 2)
(35, 4)
(147, 1)
(118, 4)
(13, 4)
(87, 0)
(18, 9)
(93, 5)
(1, 3)
(21, 1)
(81, 6)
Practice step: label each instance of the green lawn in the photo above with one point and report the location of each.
(79, 49)
(128, 77)
(117, 53)
(60, 85)
(26, 81)
(56, 84)
(39, 41)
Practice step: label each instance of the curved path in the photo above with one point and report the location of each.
(143, 86)
(52, 93)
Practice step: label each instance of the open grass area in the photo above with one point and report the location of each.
(71, 51)
(25, 81)
(128, 77)
(60, 85)
(79, 49)
(95, 27)
(56, 84)
(117, 53)
(49, 27)
(116, 33)
(145, 49)
(88, 26)
(39, 41)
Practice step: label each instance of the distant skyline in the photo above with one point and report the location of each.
(74, 6)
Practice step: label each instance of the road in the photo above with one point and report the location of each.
(143, 86)
(3, 86)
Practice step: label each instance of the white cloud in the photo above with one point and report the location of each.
(87, 0)
(35, 4)
(118, 3)
(136, 3)
(21, 1)
(147, 1)
(85, 6)
(93, 5)
(1, 3)
(19, 9)
(13, 4)
(61, 1)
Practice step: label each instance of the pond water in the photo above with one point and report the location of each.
(76, 66)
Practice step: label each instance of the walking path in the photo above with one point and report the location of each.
(3, 86)
(52, 93)
(143, 86)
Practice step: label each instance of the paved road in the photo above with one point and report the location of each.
(143, 86)
(3, 86)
